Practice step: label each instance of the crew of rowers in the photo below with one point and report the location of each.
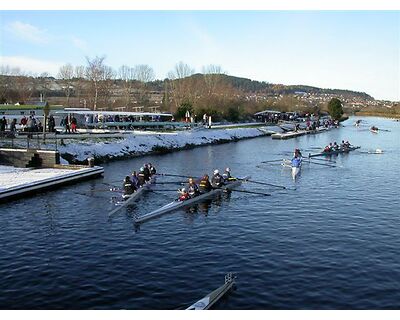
(193, 189)
(335, 147)
(137, 180)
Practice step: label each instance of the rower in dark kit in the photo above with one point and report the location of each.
(192, 188)
(217, 180)
(128, 187)
(152, 169)
(135, 180)
(146, 172)
(205, 185)
(141, 177)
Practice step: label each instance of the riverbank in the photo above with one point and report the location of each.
(145, 142)
(378, 114)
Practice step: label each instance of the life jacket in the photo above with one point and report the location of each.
(128, 188)
(204, 185)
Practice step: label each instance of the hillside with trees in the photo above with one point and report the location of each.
(98, 86)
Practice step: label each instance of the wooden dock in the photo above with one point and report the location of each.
(19, 182)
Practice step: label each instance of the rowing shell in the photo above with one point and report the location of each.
(334, 152)
(295, 172)
(209, 300)
(174, 205)
(134, 195)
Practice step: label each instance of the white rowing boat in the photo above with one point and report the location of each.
(295, 172)
(176, 204)
(209, 300)
(129, 199)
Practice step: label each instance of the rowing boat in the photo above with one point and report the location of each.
(295, 172)
(176, 204)
(333, 152)
(209, 300)
(374, 130)
(129, 199)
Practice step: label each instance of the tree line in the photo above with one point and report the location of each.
(96, 85)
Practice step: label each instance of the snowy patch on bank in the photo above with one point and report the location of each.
(140, 143)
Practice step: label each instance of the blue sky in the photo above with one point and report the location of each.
(356, 50)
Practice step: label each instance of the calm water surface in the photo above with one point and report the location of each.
(333, 243)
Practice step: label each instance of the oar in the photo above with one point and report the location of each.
(252, 192)
(323, 164)
(173, 175)
(326, 160)
(172, 182)
(271, 161)
(266, 184)
(384, 130)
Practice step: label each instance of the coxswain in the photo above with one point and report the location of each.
(183, 194)
(192, 188)
(227, 175)
(135, 180)
(128, 187)
(152, 169)
(217, 181)
(141, 177)
(205, 185)
(146, 172)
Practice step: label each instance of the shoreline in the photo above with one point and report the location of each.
(144, 143)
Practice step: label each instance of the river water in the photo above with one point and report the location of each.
(332, 243)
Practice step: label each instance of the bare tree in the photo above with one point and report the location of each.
(79, 76)
(66, 73)
(143, 73)
(180, 84)
(126, 74)
(212, 78)
(106, 85)
(95, 73)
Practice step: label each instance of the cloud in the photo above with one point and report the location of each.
(28, 32)
(79, 43)
(31, 65)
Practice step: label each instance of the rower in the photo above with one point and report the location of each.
(296, 161)
(327, 149)
(152, 169)
(227, 174)
(297, 153)
(335, 146)
(183, 194)
(135, 180)
(141, 177)
(342, 145)
(146, 172)
(205, 185)
(192, 188)
(128, 187)
(217, 181)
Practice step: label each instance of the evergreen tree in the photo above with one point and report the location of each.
(335, 108)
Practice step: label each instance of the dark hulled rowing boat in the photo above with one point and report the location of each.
(333, 152)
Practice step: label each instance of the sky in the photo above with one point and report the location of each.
(354, 50)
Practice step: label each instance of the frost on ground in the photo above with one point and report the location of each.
(11, 176)
(141, 142)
